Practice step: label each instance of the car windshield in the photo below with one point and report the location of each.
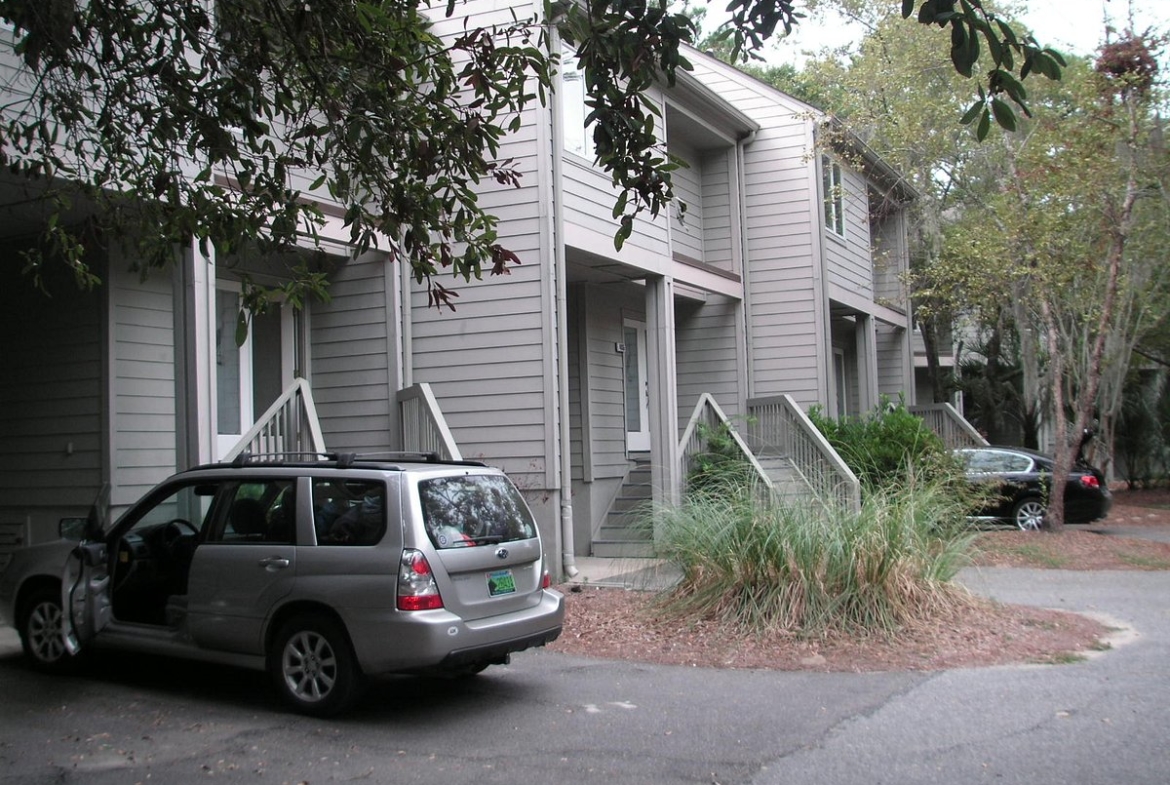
(474, 509)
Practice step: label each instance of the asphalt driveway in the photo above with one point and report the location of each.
(551, 717)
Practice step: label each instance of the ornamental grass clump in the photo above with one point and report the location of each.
(769, 566)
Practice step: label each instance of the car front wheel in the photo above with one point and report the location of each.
(1029, 514)
(41, 632)
(313, 666)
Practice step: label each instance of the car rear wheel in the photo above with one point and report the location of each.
(41, 632)
(313, 666)
(1029, 513)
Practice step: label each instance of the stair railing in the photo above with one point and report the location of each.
(424, 429)
(706, 418)
(952, 427)
(777, 425)
(290, 425)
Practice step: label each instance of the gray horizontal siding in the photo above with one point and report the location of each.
(707, 355)
(489, 362)
(895, 374)
(351, 355)
(606, 307)
(848, 260)
(687, 230)
(891, 257)
(718, 231)
(783, 218)
(144, 395)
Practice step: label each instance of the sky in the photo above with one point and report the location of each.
(1073, 26)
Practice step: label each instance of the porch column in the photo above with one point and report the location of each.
(663, 385)
(195, 361)
(867, 381)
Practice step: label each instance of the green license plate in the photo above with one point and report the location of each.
(501, 582)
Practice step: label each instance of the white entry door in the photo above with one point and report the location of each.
(252, 375)
(233, 371)
(637, 387)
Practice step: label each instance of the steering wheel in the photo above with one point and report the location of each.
(177, 525)
(172, 533)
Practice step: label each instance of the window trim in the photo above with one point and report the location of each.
(833, 182)
(575, 140)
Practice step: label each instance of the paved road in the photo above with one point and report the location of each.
(554, 718)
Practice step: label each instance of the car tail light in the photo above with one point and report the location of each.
(417, 590)
(1090, 481)
(546, 581)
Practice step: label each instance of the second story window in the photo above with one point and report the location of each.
(577, 136)
(834, 196)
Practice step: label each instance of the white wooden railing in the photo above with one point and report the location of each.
(777, 426)
(290, 426)
(952, 427)
(707, 417)
(423, 426)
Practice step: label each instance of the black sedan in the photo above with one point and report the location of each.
(1024, 477)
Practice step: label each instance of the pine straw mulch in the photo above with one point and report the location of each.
(619, 624)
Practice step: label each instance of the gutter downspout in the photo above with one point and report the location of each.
(407, 336)
(741, 145)
(568, 559)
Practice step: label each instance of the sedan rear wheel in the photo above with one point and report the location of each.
(313, 666)
(1029, 514)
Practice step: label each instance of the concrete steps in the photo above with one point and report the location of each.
(626, 533)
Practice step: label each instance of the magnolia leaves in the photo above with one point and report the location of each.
(972, 26)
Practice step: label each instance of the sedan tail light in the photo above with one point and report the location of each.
(1090, 481)
(417, 590)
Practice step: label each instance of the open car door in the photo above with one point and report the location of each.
(85, 581)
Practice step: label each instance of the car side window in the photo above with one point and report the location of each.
(257, 511)
(1017, 463)
(187, 505)
(349, 512)
(979, 461)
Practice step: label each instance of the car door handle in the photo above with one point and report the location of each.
(274, 563)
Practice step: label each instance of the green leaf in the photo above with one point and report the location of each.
(1004, 115)
(241, 327)
(960, 54)
(984, 126)
(971, 113)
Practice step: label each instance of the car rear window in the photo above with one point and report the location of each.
(474, 509)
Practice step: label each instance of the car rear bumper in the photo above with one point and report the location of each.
(410, 641)
(1088, 510)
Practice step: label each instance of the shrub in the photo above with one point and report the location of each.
(722, 463)
(764, 566)
(884, 447)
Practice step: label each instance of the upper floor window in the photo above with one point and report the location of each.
(834, 196)
(576, 135)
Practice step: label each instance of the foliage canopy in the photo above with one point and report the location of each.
(236, 123)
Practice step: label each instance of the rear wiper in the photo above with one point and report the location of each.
(486, 539)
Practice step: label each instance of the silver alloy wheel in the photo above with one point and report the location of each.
(1029, 515)
(308, 666)
(43, 629)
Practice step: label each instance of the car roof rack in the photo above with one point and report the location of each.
(407, 455)
(343, 460)
(249, 458)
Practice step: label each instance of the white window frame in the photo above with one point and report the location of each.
(634, 362)
(243, 373)
(576, 136)
(834, 184)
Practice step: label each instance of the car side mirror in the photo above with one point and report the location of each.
(72, 528)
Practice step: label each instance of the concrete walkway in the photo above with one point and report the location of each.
(636, 574)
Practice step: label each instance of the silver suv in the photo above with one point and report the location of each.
(319, 571)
